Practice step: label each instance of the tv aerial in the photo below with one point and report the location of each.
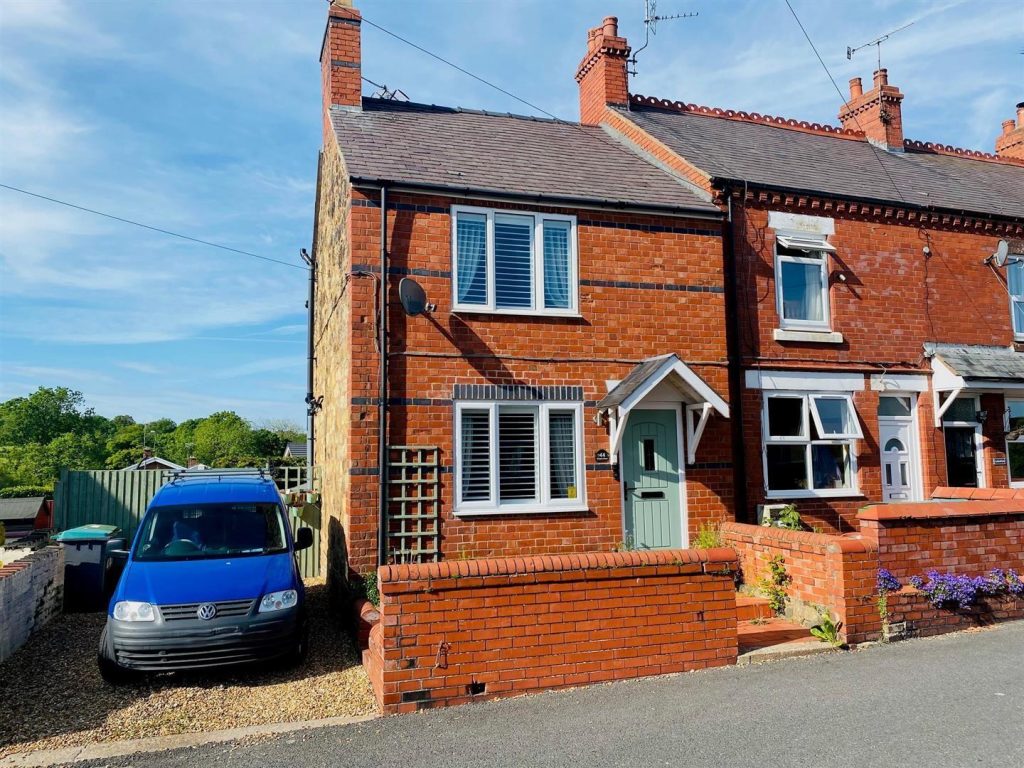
(651, 19)
(413, 297)
(877, 42)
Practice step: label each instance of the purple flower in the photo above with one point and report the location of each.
(1014, 585)
(917, 582)
(886, 582)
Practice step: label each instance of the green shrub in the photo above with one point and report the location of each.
(789, 518)
(25, 491)
(827, 630)
(774, 584)
(708, 537)
(365, 586)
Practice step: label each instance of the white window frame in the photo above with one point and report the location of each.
(543, 504)
(823, 248)
(808, 441)
(1020, 441)
(537, 263)
(856, 434)
(1018, 333)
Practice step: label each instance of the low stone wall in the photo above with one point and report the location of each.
(457, 631)
(31, 593)
(826, 571)
(965, 537)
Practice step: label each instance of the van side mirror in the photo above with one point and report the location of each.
(303, 539)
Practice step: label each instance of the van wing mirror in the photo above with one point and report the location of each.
(303, 539)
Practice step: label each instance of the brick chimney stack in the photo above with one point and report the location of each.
(877, 112)
(1011, 143)
(341, 59)
(602, 75)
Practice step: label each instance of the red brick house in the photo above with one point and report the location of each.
(567, 390)
(608, 359)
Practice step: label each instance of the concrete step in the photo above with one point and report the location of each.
(769, 632)
(749, 607)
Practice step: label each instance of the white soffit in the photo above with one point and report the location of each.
(899, 382)
(799, 224)
(805, 381)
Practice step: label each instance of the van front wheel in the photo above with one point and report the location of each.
(110, 670)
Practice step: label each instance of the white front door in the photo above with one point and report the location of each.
(898, 449)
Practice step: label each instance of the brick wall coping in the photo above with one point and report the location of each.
(19, 565)
(928, 510)
(980, 494)
(821, 542)
(704, 559)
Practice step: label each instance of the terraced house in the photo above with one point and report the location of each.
(660, 316)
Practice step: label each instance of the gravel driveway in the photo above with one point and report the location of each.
(51, 693)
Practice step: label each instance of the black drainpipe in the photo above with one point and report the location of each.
(732, 315)
(311, 405)
(382, 395)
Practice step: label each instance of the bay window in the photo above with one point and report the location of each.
(809, 444)
(519, 457)
(513, 262)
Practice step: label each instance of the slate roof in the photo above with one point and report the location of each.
(634, 380)
(468, 150)
(779, 157)
(298, 450)
(20, 509)
(980, 363)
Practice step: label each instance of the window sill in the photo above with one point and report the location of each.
(524, 510)
(814, 337)
(566, 313)
(834, 493)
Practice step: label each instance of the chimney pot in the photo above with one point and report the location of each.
(877, 113)
(881, 77)
(1020, 115)
(147, 453)
(602, 74)
(856, 87)
(611, 26)
(192, 461)
(1008, 126)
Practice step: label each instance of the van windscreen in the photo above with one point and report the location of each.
(197, 531)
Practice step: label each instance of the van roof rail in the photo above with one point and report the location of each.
(231, 472)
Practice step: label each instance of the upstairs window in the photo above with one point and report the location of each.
(513, 262)
(808, 444)
(1015, 278)
(801, 279)
(519, 457)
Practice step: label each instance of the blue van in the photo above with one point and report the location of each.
(211, 580)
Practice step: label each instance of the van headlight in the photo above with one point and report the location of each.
(129, 610)
(278, 601)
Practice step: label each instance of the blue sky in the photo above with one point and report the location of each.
(203, 118)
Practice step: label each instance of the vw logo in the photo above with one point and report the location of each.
(206, 611)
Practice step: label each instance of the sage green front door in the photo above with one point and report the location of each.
(650, 480)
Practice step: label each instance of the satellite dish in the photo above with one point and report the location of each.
(1002, 251)
(413, 297)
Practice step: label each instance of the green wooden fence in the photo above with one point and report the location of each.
(120, 497)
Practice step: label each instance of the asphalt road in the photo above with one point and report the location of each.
(952, 701)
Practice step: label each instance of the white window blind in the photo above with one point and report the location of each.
(514, 262)
(519, 457)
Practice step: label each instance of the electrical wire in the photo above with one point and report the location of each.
(845, 102)
(151, 228)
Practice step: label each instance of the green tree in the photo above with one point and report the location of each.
(45, 414)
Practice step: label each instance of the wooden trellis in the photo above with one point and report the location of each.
(414, 504)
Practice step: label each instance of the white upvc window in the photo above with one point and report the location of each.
(801, 282)
(519, 457)
(1015, 280)
(514, 262)
(808, 444)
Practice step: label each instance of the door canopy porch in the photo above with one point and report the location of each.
(970, 369)
(646, 378)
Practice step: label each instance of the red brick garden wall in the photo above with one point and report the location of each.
(460, 630)
(965, 537)
(826, 571)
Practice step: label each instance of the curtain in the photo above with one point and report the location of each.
(556, 264)
(801, 291)
(471, 238)
(562, 440)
